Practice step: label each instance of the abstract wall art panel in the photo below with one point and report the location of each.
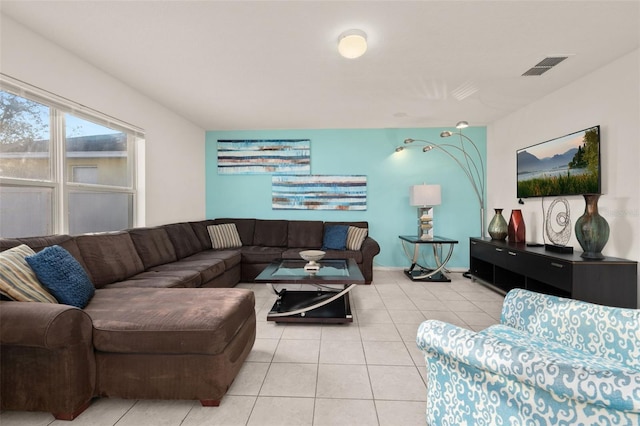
(254, 156)
(318, 192)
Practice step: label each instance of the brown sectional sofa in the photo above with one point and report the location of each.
(164, 322)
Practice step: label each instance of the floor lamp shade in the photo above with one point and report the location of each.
(425, 195)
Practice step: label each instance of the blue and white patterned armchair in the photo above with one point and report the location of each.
(551, 361)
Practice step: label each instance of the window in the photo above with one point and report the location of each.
(85, 174)
(63, 167)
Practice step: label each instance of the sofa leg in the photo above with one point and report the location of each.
(210, 402)
(72, 415)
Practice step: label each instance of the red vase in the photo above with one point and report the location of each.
(516, 228)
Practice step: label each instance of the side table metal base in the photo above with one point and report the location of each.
(418, 272)
(419, 275)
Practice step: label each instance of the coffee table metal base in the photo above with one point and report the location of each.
(288, 306)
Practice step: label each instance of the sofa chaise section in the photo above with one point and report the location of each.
(172, 343)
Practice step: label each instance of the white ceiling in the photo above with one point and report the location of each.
(274, 64)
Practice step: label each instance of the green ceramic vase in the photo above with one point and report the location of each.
(498, 226)
(592, 230)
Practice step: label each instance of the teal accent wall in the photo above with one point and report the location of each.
(369, 152)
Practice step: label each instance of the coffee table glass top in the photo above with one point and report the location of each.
(435, 240)
(331, 272)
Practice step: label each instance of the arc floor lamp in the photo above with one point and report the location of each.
(470, 161)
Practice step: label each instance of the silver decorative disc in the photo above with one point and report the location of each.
(562, 219)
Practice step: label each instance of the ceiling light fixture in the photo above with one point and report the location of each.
(352, 44)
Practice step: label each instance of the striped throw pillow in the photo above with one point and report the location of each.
(17, 279)
(224, 236)
(355, 237)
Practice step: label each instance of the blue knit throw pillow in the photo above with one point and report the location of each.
(60, 273)
(335, 237)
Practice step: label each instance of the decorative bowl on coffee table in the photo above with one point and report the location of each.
(312, 256)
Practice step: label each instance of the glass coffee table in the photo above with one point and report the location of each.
(327, 301)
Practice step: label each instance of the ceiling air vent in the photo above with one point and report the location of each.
(544, 65)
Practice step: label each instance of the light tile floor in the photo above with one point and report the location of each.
(369, 372)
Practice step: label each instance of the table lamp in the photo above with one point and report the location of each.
(425, 197)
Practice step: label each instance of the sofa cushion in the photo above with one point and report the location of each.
(153, 246)
(7, 243)
(359, 224)
(305, 234)
(271, 233)
(161, 279)
(109, 257)
(200, 229)
(207, 268)
(184, 240)
(259, 254)
(62, 275)
(17, 279)
(230, 258)
(335, 237)
(344, 254)
(38, 243)
(67, 242)
(168, 321)
(224, 236)
(355, 237)
(245, 227)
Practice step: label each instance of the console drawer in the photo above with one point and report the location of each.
(550, 271)
(489, 253)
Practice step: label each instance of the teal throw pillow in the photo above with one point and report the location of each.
(335, 237)
(60, 273)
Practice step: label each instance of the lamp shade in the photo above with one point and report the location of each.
(425, 195)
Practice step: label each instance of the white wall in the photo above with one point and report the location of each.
(174, 147)
(609, 97)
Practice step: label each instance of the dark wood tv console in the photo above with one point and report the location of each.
(610, 281)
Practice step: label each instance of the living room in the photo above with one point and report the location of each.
(181, 154)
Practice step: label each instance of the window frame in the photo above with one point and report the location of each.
(60, 183)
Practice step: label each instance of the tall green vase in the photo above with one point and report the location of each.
(592, 230)
(498, 226)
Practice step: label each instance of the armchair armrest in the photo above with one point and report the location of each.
(603, 331)
(599, 382)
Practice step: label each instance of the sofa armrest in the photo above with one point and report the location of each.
(585, 382)
(47, 360)
(44, 325)
(370, 248)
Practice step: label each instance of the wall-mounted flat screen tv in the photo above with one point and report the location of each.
(568, 165)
